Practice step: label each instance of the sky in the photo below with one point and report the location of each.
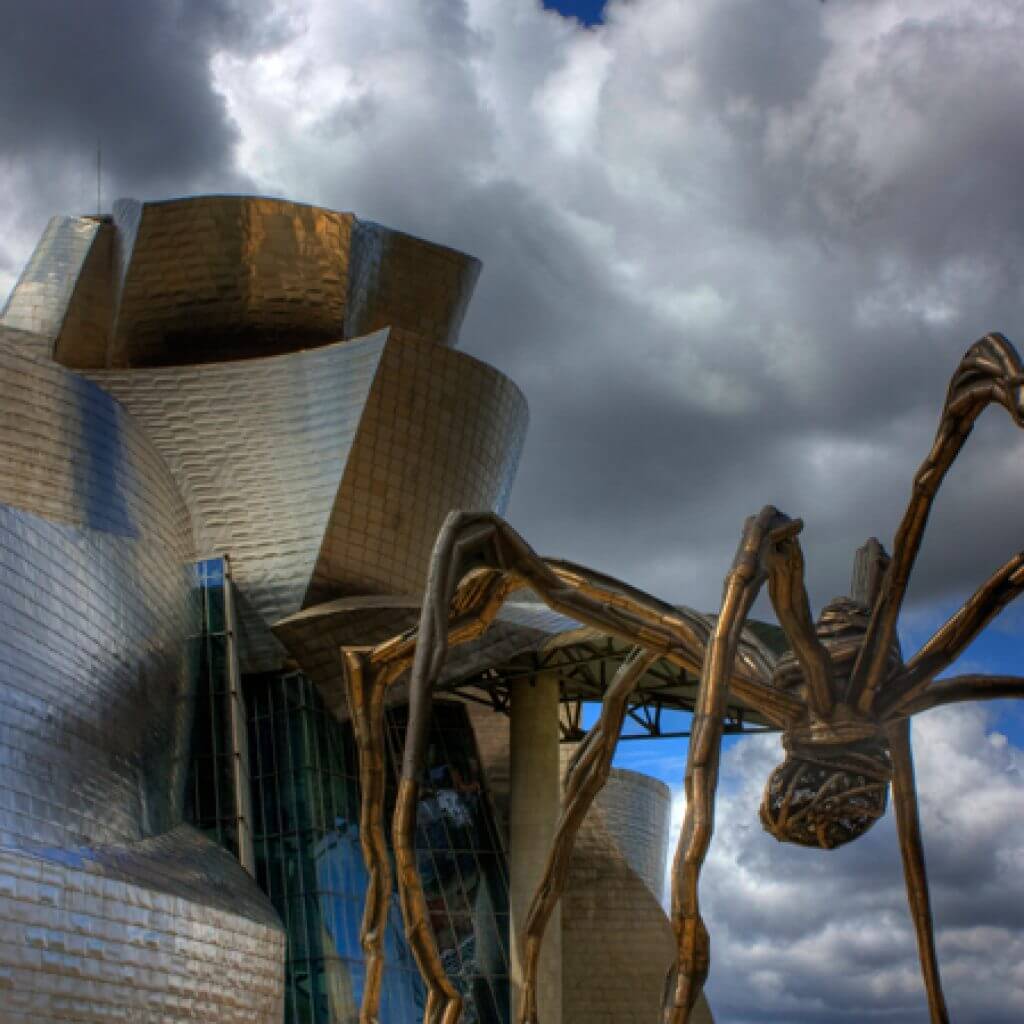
(733, 252)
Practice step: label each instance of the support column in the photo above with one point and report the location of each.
(534, 806)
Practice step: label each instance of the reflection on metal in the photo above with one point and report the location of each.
(99, 882)
(231, 277)
(294, 405)
(305, 511)
(259, 449)
(40, 300)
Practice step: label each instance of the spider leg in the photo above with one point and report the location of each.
(789, 599)
(488, 561)
(908, 825)
(963, 688)
(366, 706)
(955, 635)
(585, 778)
(991, 371)
(749, 571)
(466, 541)
(368, 673)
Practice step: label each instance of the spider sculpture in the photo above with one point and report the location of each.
(842, 696)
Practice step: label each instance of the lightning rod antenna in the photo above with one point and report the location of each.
(99, 151)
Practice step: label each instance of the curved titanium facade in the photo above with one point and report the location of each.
(216, 278)
(441, 431)
(95, 544)
(108, 906)
(635, 811)
(272, 388)
(328, 471)
(259, 448)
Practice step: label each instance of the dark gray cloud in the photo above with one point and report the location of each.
(732, 253)
(133, 78)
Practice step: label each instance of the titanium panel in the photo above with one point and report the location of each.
(94, 537)
(85, 333)
(414, 286)
(331, 470)
(206, 276)
(109, 909)
(40, 299)
(170, 932)
(258, 448)
(441, 431)
(216, 278)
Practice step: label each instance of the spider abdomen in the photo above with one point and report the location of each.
(826, 796)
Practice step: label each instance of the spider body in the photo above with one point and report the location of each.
(842, 696)
(833, 784)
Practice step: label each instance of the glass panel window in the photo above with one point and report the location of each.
(305, 795)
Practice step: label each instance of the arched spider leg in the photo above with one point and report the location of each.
(953, 637)
(472, 540)
(991, 371)
(908, 827)
(365, 685)
(368, 674)
(964, 688)
(750, 567)
(785, 564)
(584, 779)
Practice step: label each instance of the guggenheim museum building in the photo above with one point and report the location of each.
(230, 429)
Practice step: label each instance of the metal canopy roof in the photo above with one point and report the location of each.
(526, 639)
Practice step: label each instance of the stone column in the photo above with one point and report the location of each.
(534, 804)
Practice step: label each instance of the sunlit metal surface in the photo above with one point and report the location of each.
(216, 278)
(306, 468)
(259, 448)
(40, 299)
(98, 880)
(294, 403)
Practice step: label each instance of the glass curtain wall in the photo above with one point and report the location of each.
(210, 800)
(308, 859)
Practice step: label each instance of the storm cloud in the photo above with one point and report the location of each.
(732, 252)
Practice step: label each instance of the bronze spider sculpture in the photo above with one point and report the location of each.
(842, 696)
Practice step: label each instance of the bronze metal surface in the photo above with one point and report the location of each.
(842, 694)
(478, 563)
(215, 278)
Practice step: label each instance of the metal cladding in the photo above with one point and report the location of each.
(253, 378)
(109, 908)
(329, 471)
(259, 448)
(95, 543)
(227, 277)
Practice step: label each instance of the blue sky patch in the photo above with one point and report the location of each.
(589, 12)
